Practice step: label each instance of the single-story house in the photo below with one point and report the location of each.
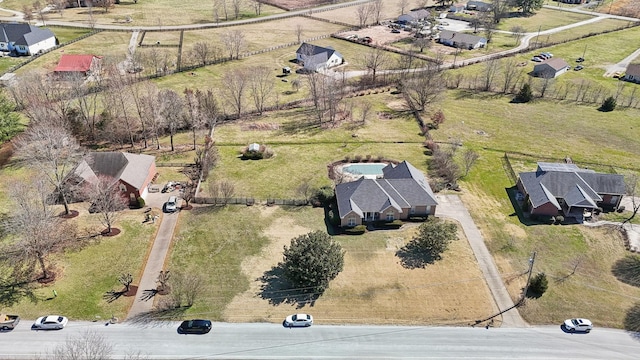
(413, 16)
(458, 7)
(566, 189)
(78, 64)
(572, 1)
(461, 40)
(551, 68)
(134, 172)
(402, 192)
(24, 39)
(478, 6)
(633, 73)
(316, 57)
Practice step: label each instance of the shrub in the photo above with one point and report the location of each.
(539, 284)
(559, 219)
(609, 104)
(621, 208)
(325, 195)
(357, 158)
(141, 203)
(356, 230)
(333, 216)
(368, 157)
(347, 159)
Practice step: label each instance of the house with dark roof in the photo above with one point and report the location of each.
(551, 68)
(401, 192)
(134, 172)
(316, 58)
(568, 190)
(83, 65)
(461, 40)
(25, 39)
(633, 73)
(478, 6)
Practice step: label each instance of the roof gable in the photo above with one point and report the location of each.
(75, 63)
(24, 34)
(130, 168)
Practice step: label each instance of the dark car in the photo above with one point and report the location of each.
(195, 327)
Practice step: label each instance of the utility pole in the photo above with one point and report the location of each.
(537, 36)
(532, 259)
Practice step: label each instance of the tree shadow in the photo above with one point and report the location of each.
(112, 295)
(532, 294)
(277, 290)
(627, 270)
(412, 257)
(12, 292)
(632, 321)
(158, 317)
(148, 294)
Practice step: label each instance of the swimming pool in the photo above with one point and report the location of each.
(368, 170)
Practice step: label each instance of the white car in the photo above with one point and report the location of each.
(573, 325)
(172, 204)
(298, 320)
(50, 322)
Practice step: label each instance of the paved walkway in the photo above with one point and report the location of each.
(452, 207)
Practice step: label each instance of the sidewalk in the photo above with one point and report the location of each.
(452, 207)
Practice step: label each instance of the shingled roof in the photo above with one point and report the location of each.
(130, 168)
(23, 34)
(402, 186)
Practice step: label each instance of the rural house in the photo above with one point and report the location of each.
(572, 1)
(551, 68)
(565, 189)
(633, 73)
(25, 39)
(461, 40)
(316, 58)
(478, 6)
(458, 7)
(402, 192)
(134, 172)
(413, 16)
(83, 65)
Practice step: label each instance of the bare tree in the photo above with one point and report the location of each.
(403, 5)
(118, 104)
(186, 287)
(218, 6)
(194, 117)
(105, 4)
(106, 199)
(172, 112)
(138, 92)
(87, 346)
(469, 158)
(59, 6)
(499, 10)
(261, 86)
(202, 50)
(236, 82)
(163, 279)
(223, 190)
(365, 109)
(489, 73)
(234, 42)
(299, 30)
(517, 32)
(374, 59)
(207, 157)
(53, 152)
(545, 83)
(305, 189)
(510, 71)
(422, 43)
(236, 5)
(125, 279)
(257, 6)
(631, 185)
(376, 10)
(423, 88)
(37, 232)
(27, 10)
(208, 108)
(363, 12)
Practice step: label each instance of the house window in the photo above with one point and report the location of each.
(390, 216)
(412, 210)
(614, 200)
(352, 221)
(122, 187)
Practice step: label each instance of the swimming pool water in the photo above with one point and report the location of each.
(364, 169)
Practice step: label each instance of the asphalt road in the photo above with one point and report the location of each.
(272, 341)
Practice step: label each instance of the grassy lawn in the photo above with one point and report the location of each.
(66, 34)
(373, 288)
(148, 13)
(543, 19)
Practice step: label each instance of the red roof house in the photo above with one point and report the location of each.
(81, 64)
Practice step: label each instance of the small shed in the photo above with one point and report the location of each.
(254, 147)
(286, 70)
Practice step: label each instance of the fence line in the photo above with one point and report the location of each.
(249, 201)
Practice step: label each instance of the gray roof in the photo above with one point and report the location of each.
(23, 34)
(461, 37)
(633, 69)
(401, 187)
(130, 168)
(578, 187)
(314, 54)
(556, 64)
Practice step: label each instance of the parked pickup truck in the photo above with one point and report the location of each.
(8, 322)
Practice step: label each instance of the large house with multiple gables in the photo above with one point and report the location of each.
(402, 192)
(568, 190)
(24, 39)
(315, 58)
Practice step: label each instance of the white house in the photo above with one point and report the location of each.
(25, 39)
(461, 40)
(551, 68)
(413, 16)
(316, 58)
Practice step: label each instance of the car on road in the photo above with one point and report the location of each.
(578, 68)
(196, 326)
(172, 204)
(581, 325)
(298, 320)
(50, 322)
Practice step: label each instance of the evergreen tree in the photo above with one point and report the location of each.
(525, 95)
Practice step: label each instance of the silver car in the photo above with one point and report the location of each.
(50, 322)
(582, 325)
(298, 320)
